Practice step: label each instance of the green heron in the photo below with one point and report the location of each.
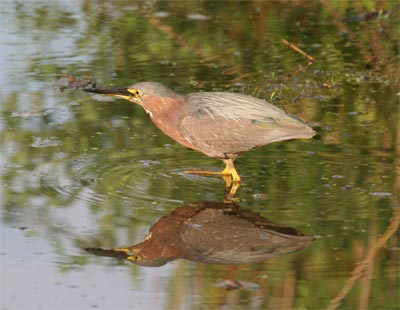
(219, 124)
(211, 232)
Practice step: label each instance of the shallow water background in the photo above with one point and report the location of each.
(78, 171)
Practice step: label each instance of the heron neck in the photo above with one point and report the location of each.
(167, 113)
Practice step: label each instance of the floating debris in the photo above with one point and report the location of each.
(161, 14)
(71, 82)
(28, 114)
(347, 187)
(260, 196)
(45, 142)
(196, 16)
(149, 163)
(231, 284)
(381, 194)
(366, 17)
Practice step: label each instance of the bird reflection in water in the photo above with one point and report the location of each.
(211, 232)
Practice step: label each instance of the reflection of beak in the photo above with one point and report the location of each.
(119, 92)
(117, 253)
(128, 253)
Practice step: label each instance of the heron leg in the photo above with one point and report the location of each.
(229, 174)
(232, 180)
(230, 170)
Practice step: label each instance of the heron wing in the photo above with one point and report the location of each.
(221, 124)
(232, 106)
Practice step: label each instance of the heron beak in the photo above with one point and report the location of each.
(117, 253)
(118, 92)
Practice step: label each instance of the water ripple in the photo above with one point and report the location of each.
(101, 181)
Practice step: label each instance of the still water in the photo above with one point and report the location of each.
(315, 223)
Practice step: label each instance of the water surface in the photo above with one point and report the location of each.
(81, 172)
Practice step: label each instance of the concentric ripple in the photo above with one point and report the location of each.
(101, 181)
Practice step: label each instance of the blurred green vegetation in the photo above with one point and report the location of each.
(63, 149)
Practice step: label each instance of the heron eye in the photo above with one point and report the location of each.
(135, 93)
(134, 258)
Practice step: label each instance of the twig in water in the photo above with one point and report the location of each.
(299, 50)
(311, 59)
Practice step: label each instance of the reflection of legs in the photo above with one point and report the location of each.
(230, 189)
(230, 176)
(232, 180)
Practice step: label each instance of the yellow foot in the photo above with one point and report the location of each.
(229, 171)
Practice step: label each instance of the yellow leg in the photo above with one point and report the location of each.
(228, 171)
(232, 180)
(230, 176)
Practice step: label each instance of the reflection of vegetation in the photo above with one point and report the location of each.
(365, 266)
(110, 161)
